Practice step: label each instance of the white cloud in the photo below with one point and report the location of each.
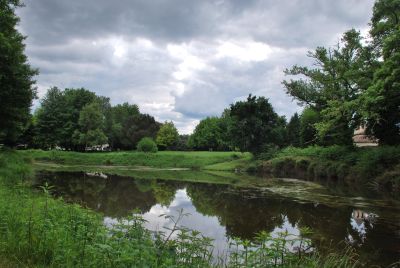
(245, 50)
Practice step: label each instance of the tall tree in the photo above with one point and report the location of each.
(208, 135)
(138, 127)
(116, 127)
(167, 136)
(293, 131)
(255, 125)
(308, 119)
(75, 100)
(58, 115)
(381, 102)
(332, 88)
(16, 76)
(91, 124)
(51, 118)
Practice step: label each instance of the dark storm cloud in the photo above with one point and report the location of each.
(294, 22)
(181, 60)
(57, 21)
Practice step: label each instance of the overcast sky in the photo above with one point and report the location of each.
(181, 60)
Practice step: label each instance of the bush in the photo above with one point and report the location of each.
(269, 151)
(147, 145)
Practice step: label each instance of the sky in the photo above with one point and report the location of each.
(182, 60)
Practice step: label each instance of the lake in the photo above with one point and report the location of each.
(225, 211)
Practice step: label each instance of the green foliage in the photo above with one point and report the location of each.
(58, 117)
(209, 134)
(254, 124)
(138, 127)
(147, 145)
(75, 100)
(167, 136)
(16, 76)
(117, 128)
(354, 83)
(182, 143)
(380, 103)
(76, 118)
(293, 131)
(308, 133)
(91, 124)
(333, 87)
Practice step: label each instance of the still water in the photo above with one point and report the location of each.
(222, 212)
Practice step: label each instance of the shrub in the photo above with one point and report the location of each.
(147, 145)
(269, 151)
(107, 162)
(390, 180)
(302, 164)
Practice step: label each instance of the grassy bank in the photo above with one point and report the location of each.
(163, 159)
(39, 231)
(377, 167)
(203, 176)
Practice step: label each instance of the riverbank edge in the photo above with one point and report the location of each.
(377, 168)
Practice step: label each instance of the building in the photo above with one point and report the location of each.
(361, 139)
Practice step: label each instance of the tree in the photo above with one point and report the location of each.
(128, 126)
(138, 127)
(91, 123)
(16, 76)
(334, 86)
(76, 100)
(381, 102)
(293, 131)
(255, 125)
(59, 113)
(208, 135)
(167, 136)
(51, 118)
(119, 116)
(182, 143)
(308, 133)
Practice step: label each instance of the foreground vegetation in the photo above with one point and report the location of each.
(39, 231)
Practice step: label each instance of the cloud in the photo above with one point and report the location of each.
(181, 60)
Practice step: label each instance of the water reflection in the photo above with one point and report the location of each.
(223, 211)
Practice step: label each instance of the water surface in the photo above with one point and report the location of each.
(222, 212)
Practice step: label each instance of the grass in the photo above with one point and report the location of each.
(39, 231)
(163, 159)
(234, 165)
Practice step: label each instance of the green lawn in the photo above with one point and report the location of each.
(163, 159)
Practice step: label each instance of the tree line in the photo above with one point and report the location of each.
(78, 119)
